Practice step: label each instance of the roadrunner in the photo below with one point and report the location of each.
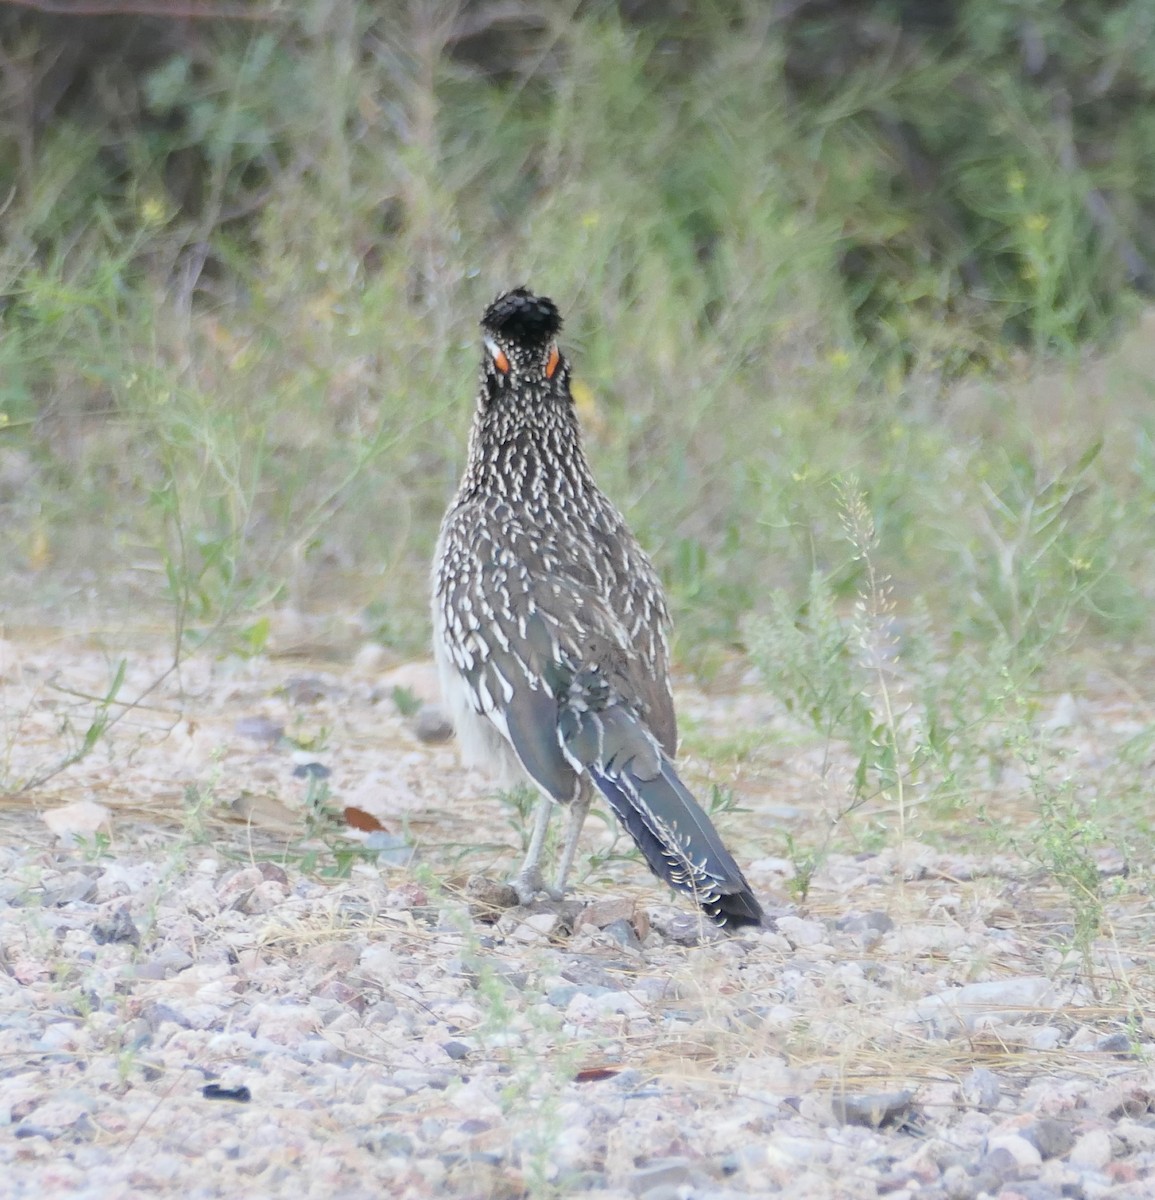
(550, 627)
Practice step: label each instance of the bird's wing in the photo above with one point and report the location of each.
(515, 635)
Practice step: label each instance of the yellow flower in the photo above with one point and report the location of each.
(1016, 182)
(838, 359)
(153, 212)
(1037, 223)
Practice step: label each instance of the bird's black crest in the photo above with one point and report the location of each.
(520, 316)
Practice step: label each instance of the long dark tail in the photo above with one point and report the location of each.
(680, 844)
(675, 836)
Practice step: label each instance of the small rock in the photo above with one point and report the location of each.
(1026, 1155)
(489, 898)
(1114, 1043)
(371, 659)
(623, 933)
(859, 923)
(981, 1089)
(1051, 1138)
(958, 1185)
(119, 928)
(259, 729)
(387, 1144)
(82, 819)
(25, 1130)
(392, 849)
(661, 1172)
(431, 725)
(604, 912)
(682, 928)
(801, 932)
(996, 1001)
(535, 927)
(1092, 1150)
(873, 1110)
(302, 690)
(994, 1169)
(456, 1050)
(1135, 1136)
(77, 887)
(155, 1014)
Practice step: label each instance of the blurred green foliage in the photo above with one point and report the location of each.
(243, 261)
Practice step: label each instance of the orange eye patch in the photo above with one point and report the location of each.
(552, 362)
(500, 361)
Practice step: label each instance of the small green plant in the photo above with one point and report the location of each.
(805, 860)
(406, 701)
(199, 801)
(520, 803)
(96, 847)
(723, 800)
(1063, 840)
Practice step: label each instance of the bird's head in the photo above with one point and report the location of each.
(519, 331)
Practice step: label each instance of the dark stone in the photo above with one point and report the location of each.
(26, 1130)
(214, 1091)
(118, 928)
(1051, 1138)
(873, 1110)
(623, 933)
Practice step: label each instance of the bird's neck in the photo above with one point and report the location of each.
(526, 455)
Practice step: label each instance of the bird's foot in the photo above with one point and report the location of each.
(529, 884)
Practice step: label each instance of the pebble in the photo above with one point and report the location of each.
(801, 932)
(1025, 1154)
(398, 1044)
(1052, 1138)
(996, 1001)
(959, 1184)
(392, 849)
(431, 725)
(981, 1089)
(873, 1110)
(660, 1172)
(1092, 1150)
(259, 729)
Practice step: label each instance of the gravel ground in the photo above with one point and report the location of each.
(190, 1005)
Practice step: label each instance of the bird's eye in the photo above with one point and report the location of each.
(500, 361)
(552, 362)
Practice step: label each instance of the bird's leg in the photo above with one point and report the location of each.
(528, 881)
(576, 819)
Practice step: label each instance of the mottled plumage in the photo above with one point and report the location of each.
(550, 625)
